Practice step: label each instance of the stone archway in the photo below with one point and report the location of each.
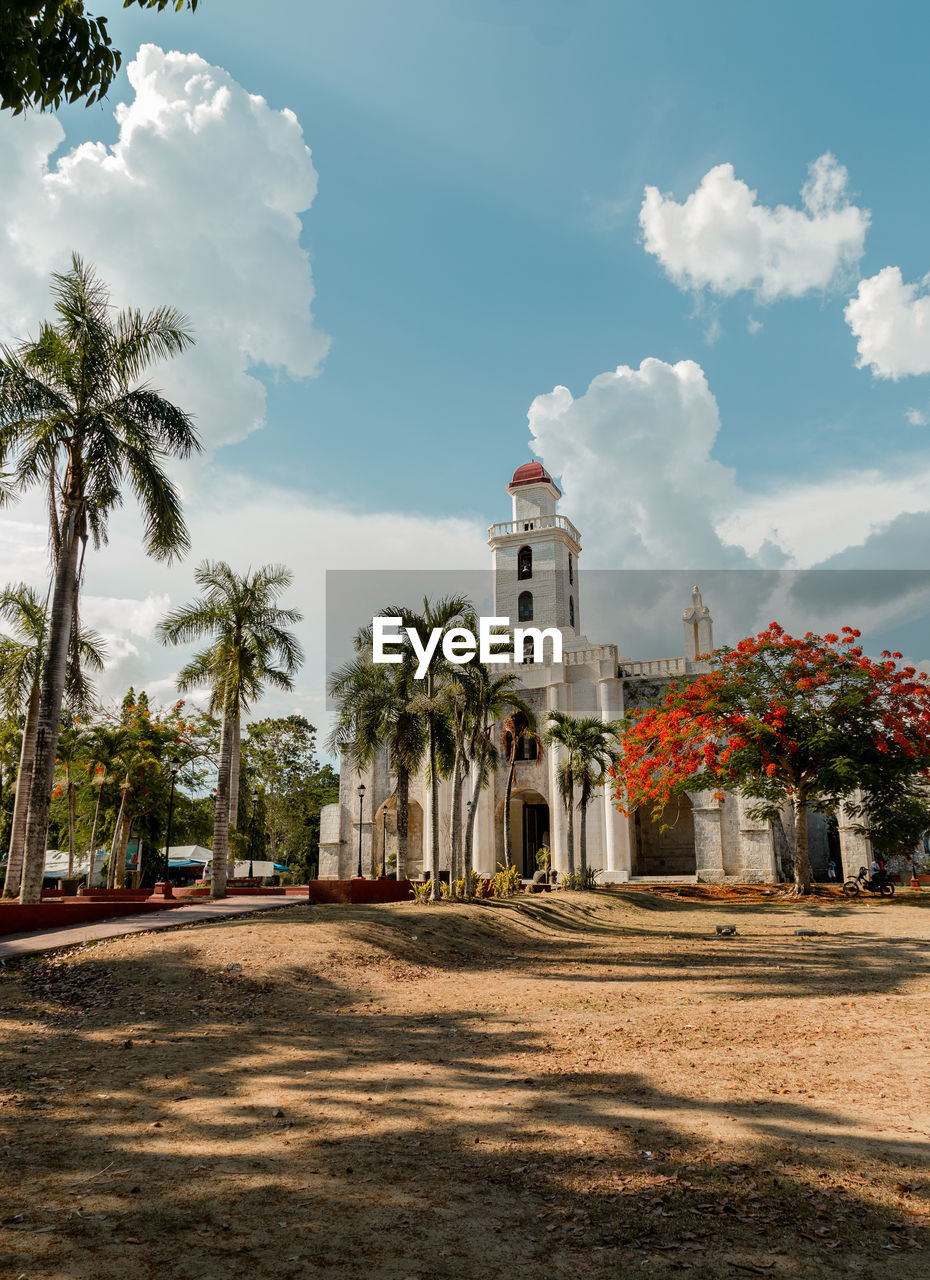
(668, 852)
(385, 831)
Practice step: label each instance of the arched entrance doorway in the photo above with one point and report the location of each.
(668, 852)
(385, 835)
(529, 830)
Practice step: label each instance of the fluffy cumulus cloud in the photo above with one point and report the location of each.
(723, 240)
(197, 205)
(891, 323)
(634, 453)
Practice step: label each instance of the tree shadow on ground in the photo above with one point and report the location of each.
(281, 1122)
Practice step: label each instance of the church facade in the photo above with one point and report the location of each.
(535, 562)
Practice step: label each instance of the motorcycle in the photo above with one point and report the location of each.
(880, 884)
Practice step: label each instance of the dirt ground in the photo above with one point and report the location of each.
(568, 1085)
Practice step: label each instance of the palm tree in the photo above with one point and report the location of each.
(519, 726)
(595, 754)
(493, 697)
(248, 637)
(107, 749)
(75, 418)
(563, 733)
(21, 666)
(375, 710)
(433, 705)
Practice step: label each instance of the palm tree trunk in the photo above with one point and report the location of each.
(582, 837)
(469, 842)
(116, 871)
(27, 756)
(70, 826)
(235, 752)
(802, 865)
(433, 809)
(455, 816)
(49, 716)
(93, 838)
(403, 820)
(221, 813)
(570, 834)
(508, 835)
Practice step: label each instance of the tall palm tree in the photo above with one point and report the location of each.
(21, 666)
(434, 702)
(595, 754)
(107, 750)
(75, 418)
(493, 697)
(375, 710)
(519, 726)
(249, 636)
(563, 732)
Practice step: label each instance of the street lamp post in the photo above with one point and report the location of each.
(173, 765)
(361, 801)
(252, 832)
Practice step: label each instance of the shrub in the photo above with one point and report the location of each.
(421, 890)
(505, 882)
(586, 879)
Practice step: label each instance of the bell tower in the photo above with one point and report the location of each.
(534, 557)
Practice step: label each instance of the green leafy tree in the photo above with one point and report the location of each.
(279, 754)
(75, 419)
(54, 51)
(250, 648)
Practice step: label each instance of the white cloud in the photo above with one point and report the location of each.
(196, 205)
(634, 453)
(814, 520)
(636, 456)
(723, 240)
(753, 325)
(916, 417)
(231, 517)
(891, 321)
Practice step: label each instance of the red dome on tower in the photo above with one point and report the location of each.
(532, 473)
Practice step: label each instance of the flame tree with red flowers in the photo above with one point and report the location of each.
(781, 719)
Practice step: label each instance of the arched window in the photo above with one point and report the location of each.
(571, 568)
(528, 649)
(571, 611)
(527, 749)
(525, 563)
(525, 607)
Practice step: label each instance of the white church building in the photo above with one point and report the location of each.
(535, 562)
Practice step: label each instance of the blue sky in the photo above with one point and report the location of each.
(475, 238)
(476, 241)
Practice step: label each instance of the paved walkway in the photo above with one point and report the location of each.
(13, 945)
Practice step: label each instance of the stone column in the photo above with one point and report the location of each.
(558, 698)
(616, 825)
(756, 845)
(708, 838)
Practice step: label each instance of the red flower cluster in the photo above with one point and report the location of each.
(772, 712)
